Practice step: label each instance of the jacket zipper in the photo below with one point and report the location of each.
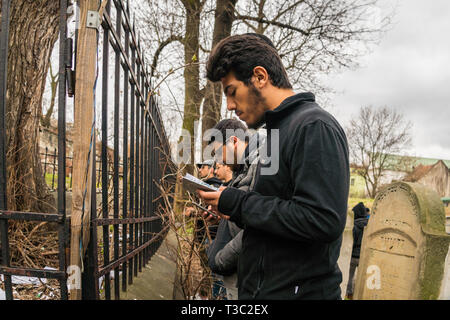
(260, 276)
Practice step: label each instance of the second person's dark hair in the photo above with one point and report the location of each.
(230, 124)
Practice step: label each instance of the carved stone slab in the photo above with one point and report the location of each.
(404, 245)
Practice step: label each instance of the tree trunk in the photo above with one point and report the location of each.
(33, 33)
(212, 105)
(192, 96)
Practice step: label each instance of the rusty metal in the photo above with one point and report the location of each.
(31, 216)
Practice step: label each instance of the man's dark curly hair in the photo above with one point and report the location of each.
(240, 54)
(228, 124)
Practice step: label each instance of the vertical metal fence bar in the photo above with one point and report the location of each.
(149, 179)
(4, 40)
(156, 166)
(152, 174)
(137, 178)
(149, 183)
(104, 154)
(141, 174)
(116, 152)
(153, 169)
(132, 162)
(62, 144)
(147, 237)
(125, 160)
(136, 181)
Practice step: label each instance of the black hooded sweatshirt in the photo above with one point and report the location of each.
(293, 220)
(360, 221)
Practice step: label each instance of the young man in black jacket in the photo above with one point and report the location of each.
(294, 218)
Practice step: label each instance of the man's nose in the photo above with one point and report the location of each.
(231, 105)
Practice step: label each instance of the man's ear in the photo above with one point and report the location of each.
(261, 77)
(235, 140)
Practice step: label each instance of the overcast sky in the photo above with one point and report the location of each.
(409, 71)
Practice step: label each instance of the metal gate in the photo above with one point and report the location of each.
(123, 237)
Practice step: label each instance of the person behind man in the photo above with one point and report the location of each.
(361, 218)
(224, 173)
(243, 160)
(206, 173)
(201, 239)
(295, 217)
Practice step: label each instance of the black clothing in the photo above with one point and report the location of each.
(214, 182)
(225, 232)
(294, 219)
(360, 221)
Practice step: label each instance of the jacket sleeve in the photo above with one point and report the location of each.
(356, 238)
(222, 238)
(226, 259)
(319, 171)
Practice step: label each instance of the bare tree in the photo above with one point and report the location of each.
(312, 37)
(315, 37)
(373, 136)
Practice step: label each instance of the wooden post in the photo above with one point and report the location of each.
(83, 116)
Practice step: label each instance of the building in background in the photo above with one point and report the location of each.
(433, 173)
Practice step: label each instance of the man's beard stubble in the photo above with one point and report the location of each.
(259, 106)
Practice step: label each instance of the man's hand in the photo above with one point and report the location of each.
(212, 199)
(211, 219)
(189, 212)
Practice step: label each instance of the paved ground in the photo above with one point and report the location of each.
(155, 282)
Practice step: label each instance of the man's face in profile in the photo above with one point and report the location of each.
(204, 171)
(245, 101)
(221, 171)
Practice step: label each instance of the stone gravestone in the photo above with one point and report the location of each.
(404, 245)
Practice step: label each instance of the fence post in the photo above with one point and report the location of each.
(83, 155)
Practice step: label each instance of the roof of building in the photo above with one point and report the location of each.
(421, 170)
(412, 162)
(418, 173)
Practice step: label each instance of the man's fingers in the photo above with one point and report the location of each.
(207, 195)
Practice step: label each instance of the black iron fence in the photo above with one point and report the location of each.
(50, 169)
(124, 235)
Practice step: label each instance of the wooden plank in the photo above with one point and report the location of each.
(83, 117)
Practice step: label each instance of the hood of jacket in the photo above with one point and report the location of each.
(359, 210)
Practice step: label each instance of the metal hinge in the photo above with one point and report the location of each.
(93, 20)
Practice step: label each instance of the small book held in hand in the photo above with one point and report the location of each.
(192, 183)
